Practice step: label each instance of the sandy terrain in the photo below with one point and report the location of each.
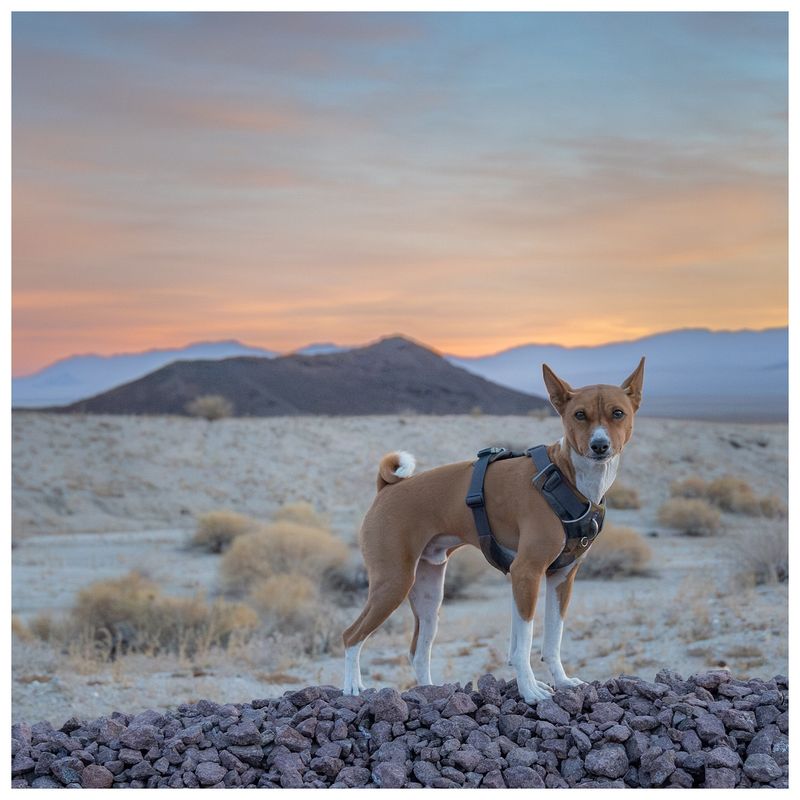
(95, 497)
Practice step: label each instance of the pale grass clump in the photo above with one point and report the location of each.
(466, 567)
(43, 627)
(286, 600)
(210, 407)
(617, 552)
(302, 513)
(281, 548)
(689, 487)
(690, 516)
(130, 613)
(730, 494)
(623, 497)
(217, 529)
(20, 629)
(762, 557)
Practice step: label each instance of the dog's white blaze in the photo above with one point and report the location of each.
(352, 669)
(554, 628)
(406, 466)
(593, 479)
(520, 658)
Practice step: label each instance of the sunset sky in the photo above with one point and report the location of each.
(475, 181)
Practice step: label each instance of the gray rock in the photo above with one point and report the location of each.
(605, 712)
(208, 773)
(658, 765)
(618, 733)
(493, 780)
(522, 778)
(466, 759)
(723, 756)
(389, 775)
(709, 728)
(388, 705)
(610, 761)
(548, 710)
(762, 768)
(720, 778)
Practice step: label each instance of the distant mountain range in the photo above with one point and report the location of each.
(695, 373)
(692, 373)
(392, 376)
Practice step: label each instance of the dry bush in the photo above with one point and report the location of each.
(730, 494)
(279, 549)
(217, 529)
(301, 513)
(130, 613)
(20, 629)
(43, 627)
(617, 552)
(690, 487)
(623, 497)
(286, 601)
(762, 557)
(466, 567)
(210, 407)
(690, 516)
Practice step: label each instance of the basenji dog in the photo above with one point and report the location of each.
(417, 521)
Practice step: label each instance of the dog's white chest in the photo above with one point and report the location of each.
(593, 480)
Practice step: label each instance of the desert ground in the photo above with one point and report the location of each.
(95, 497)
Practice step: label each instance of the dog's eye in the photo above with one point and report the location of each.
(580, 415)
(618, 413)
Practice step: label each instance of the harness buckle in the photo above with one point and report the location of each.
(585, 541)
(490, 451)
(475, 500)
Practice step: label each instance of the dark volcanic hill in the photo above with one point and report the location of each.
(392, 376)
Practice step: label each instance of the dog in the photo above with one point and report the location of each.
(417, 521)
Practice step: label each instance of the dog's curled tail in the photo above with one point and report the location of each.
(394, 467)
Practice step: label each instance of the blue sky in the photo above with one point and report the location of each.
(283, 178)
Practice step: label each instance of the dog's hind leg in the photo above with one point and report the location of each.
(386, 593)
(425, 598)
(557, 594)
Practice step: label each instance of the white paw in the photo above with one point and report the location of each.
(568, 683)
(546, 686)
(533, 694)
(352, 689)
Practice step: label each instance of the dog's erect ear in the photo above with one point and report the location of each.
(559, 391)
(633, 385)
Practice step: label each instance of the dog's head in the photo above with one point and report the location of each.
(598, 420)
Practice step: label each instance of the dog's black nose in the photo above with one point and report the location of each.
(601, 448)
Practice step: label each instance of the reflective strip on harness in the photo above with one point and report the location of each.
(581, 519)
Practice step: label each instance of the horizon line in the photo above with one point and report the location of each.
(282, 353)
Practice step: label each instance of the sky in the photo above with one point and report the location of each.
(473, 180)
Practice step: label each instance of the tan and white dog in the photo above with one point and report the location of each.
(415, 524)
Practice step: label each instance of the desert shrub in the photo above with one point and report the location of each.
(280, 548)
(623, 497)
(762, 557)
(217, 529)
(20, 629)
(43, 627)
(771, 506)
(286, 601)
(301, 513)
(210, 407)
(729, 494)
(617, 552)
(690, 516)
(465, 568)
(690, 487)
(130, 613)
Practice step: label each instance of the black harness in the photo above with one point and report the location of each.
(581, 518)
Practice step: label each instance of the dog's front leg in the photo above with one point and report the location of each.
(557, 594)
(525, 581)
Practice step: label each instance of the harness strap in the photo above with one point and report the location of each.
(581, 519)
(497, 555)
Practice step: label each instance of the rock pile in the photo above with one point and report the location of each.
(707, 731)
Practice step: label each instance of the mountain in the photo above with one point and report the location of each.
(319, 349)
(391, 376)
(693, 373)
(77, 377)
